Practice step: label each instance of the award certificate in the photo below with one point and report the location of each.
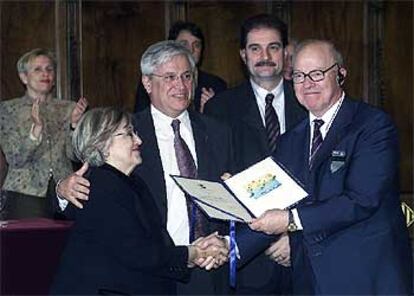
(246, 195)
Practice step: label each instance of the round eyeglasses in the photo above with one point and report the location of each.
(314, 75)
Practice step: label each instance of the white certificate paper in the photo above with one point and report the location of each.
(214, 199)
(246, 195)
(265, 186)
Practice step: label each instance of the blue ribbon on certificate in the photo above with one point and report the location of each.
(233, 262)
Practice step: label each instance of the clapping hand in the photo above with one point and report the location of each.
(36, 118)
(206, 94)
(209, 252)
(77, 112)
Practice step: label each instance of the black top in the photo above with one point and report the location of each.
(118, 243)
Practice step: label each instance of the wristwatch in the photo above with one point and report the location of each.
(291, 224)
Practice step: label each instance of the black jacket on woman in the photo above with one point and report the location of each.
(118, 244)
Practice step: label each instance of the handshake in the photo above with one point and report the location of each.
(208, 252)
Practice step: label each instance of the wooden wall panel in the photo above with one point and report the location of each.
(220, 22)
(115, 34)
(339, 21)
(398, 81)
(24, 25)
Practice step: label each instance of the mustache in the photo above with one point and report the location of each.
(265, 63)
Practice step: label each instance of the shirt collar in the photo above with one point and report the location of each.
(329, 115)
(163, 119)
(261, 93)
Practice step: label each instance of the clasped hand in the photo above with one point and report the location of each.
(208, 252)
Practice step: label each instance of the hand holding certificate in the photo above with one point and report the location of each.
(246, 195)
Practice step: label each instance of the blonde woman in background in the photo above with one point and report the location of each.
(35, 137)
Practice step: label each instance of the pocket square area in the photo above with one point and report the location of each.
(336, 165)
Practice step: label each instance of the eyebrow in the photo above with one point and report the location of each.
(271, 43)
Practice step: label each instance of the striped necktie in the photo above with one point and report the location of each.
(316, 140)
(272, 123)
(187, 168)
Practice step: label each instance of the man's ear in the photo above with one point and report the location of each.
(340, 78)
(23, 77)
(243, 55)
(147, 82)
(343, 72)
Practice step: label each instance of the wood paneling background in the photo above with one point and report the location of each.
(24, 25)
(398, 82)
(376, 38)
(115, 34)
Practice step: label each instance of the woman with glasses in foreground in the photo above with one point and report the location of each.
(118, 244)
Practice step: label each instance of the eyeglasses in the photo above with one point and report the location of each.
(315, 75)
(130, 133)
(172, 77)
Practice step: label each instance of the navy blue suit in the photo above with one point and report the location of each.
(118, 243)
(207, 80)
(354, 238)
(238, 107)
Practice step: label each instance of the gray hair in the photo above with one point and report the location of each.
(162, 52)
(336, 55)
(22, 63)
(92, 136)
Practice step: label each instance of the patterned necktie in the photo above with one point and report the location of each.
(187, 168)
(316, 140)
(272, 123)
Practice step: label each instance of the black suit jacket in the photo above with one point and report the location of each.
(214, 155)
(213, 147)
(118, 244)
(237, 106)
(207, 80)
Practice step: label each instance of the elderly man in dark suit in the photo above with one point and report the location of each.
(179, 142)
(259, 110)
(348, 236)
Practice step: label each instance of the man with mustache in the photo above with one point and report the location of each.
(259, 110)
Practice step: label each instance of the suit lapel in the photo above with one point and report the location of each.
(250, 113)
(336, 132)
(300, 148)
(201, 144)
(151, 170)
(289, 110)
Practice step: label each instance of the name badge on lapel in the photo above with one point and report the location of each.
(337, 160)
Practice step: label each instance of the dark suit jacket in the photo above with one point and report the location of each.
(214, 156)
(237, 106)
(118, 243)
(354, 239)
(205, 79)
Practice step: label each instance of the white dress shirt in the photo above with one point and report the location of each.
(328, 119)
(278, 102)
(177, 216)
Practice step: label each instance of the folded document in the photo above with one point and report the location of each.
(246, 195)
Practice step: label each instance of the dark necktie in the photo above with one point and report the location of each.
(316, 140)
(272, 123)
(187, 168)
